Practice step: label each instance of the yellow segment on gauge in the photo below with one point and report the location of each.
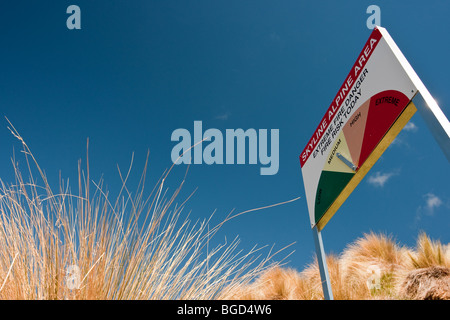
(333, 163)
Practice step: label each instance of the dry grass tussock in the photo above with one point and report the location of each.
(61, 245)
(85, 246)
(373, 267)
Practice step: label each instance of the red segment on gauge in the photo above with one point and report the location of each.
(384, 109)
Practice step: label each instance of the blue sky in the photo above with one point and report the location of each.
(138, 70)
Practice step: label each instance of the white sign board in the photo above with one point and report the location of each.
(369, 110)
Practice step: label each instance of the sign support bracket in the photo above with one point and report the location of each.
(322, 261)
(435, 119)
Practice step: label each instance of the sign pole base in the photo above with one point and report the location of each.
(321, 259)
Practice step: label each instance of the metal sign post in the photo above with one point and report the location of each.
(322, 261)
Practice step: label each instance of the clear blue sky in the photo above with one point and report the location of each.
(138, 70)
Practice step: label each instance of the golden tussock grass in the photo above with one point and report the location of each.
(61, 245)
(372, 267)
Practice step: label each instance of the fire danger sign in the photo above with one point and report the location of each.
(369, 110)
